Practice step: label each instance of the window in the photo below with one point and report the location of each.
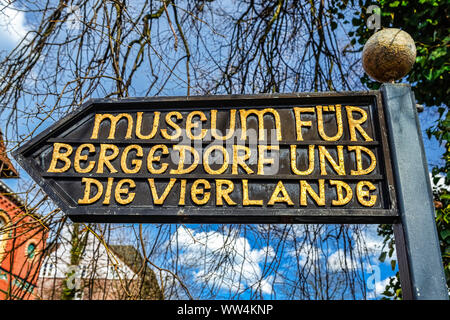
(3, 223)
(3, 234)
(113, 272)
(44, 269)
(48, 269)
(31, 250)
(84, 272)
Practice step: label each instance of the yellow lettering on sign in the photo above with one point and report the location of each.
(182, 150)
(126, 191)
(275, 195)
(294, 161)
(225, 162)
(79, 157)
(320, 125)
(172, 124)
(340, 186)
(355, 124)
(105, 159)
(87, 199)
(245, 199)
(224, 194)
(152, 133)
(359, 169)
(127, 158)
(114, 120)
(260, 114)
(191, 125)
(262, 160)
(239, 159)
(135, 162)
(214, 131)
(62, 156)
(324, 154)
(299, 123)
(182, 201)
(195, 191)
(305, 188)
(107, 199)
(152, 158)
(363, 195)
(160, 199)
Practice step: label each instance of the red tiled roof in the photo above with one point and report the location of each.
(7, 169)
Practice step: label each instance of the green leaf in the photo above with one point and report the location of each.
(382, 257)
(391, 250)
(393, 264)
(394, 4)
(388, 293)
(445, 234)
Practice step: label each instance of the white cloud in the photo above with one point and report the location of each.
(440, 184)
(306, 254)
(13, 27)
(370, 244)
(226, 260)
(339, 261)
(366, 243)
(379, 288)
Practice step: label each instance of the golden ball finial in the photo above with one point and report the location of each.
(388, 55)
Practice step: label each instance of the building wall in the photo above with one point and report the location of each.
(100, 275)
(93, 289)
(19, 264)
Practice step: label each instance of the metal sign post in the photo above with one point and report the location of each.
(420, 263)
